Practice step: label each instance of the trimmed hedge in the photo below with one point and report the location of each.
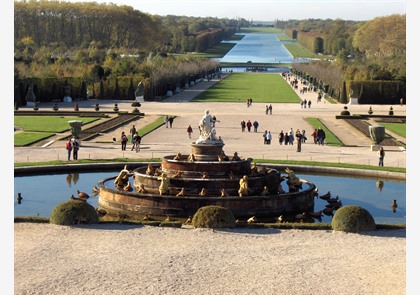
(353, 219)
(213, 217)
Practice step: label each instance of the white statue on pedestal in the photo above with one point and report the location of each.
(207, 129)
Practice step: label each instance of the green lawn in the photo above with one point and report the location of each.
(26, 138)
(330, 138)
(54, 124)
(397, 128)
(218, 50)
(298, 50)
(261, 87)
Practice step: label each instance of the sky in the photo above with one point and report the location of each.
(268, 10)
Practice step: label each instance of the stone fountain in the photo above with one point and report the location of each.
(182, 183)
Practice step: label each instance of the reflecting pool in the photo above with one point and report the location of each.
(41, 193)
(259, 48)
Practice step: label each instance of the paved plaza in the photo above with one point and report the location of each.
(169, 141)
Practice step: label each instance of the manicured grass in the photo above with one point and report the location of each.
(298, 50)
(284, 37)
(218, 50)
(27, 138)
(330, 138)
(261, 87)
(54, 124)
(398, 128)
(152, 126)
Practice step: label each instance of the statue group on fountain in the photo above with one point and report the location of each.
(208, 129)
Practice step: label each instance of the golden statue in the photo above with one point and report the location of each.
(122, 178)
(243, 186)
(164, 184)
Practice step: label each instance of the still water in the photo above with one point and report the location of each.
(42, 193)
(259, 48)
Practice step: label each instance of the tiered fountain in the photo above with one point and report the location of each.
(181, 184)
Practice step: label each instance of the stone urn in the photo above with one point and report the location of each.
(76, 128)
(377, 133)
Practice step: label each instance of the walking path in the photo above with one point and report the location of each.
(168, 141)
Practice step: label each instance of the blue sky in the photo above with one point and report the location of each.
(268, 10)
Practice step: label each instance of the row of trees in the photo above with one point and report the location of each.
(378, 44)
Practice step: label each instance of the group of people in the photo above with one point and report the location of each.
(169, 120)
(319, 136)
(135, 140)
(305, 103)
(72, 147)
(289, 137)
(249, 125)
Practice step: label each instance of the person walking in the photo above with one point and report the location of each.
(270, 109)
(286, 138)
(309, 104)
(298, 136)
(381, 155)
(304, 136)
(133, 131)
(243, 125)
(281, 137)
(256, 124)
(137, 142)
(69, 148)
(171, 121)
(321, 136)
(268, 137)
(265, 137)
(189, 131)
(166, 121)
(249, 125)
(315, 136)
(123, 141)
(291, 137)
(75, 146)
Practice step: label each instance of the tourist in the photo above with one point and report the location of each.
(291, 136)
(189, 131)
(270, 109)
(298, 136)
(255, 124)
(281, 137)
(136, 142)
(249, 125)
(243, 125)
(69, 149)
(75, 149)
(309, 104)
(304, 136)
(166, 121)
(286, 138)
(381, 155)
(123, 141)
(265, 137)
(171, 121)
(132, 132)
(268, 137)
(320, 136)
(315, 136)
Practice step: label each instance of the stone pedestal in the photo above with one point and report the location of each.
(207, 152)
(353, 100)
